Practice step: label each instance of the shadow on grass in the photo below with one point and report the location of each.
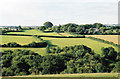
(50, 44)
(48, 31)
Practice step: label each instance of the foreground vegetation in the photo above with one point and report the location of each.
(69, 60)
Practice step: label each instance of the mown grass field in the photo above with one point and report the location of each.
(94, 45)
(111, 38)
(69, 76)
(18, 39)
(40, 51)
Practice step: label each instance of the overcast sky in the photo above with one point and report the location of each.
(36, 12)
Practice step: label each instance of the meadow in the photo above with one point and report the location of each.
(18, 39)
(94, 45)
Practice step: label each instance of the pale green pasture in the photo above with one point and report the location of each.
(94, 45)
(22, 40)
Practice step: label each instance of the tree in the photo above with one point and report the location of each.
(42, 28)
(97, 25)
(53, 64)
(109, 53)
(102, 29)
(12, 44)
(48, 24)
(117, 67)
(79, 30)
(19, 27)
(91, 30)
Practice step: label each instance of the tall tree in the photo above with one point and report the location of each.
(48, 24)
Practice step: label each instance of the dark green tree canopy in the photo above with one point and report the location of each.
(48, 24)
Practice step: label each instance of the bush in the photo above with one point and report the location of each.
(33, 44)
(11, 44)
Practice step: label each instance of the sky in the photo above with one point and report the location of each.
(37, 12)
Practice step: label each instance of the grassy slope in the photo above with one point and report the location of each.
(95, 45)
(19, 39)
(111, 38)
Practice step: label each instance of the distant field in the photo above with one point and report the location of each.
(111, 38)
(19, 39)
(34, 32)
(40, 51)
(95, 45)
(69, 76)
(65, 34)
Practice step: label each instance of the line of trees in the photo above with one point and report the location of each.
(87, 29)
(33, 44)
(70, 59)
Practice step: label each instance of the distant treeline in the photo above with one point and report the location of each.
(33, 44)
(104, 41)
(17, 34)
(87, 29)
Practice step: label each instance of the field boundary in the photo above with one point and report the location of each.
(82, 36)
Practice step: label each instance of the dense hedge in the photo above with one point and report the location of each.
(33, 44)
(3, 31)
(17, 34)
(104, 41)
(82, 36)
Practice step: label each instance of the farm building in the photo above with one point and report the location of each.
(13, 28)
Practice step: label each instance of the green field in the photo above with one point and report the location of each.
(94, 45)
(62, 42)
(18, 39)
